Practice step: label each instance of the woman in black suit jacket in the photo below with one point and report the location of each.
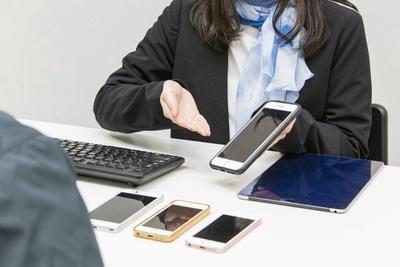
(186, 66)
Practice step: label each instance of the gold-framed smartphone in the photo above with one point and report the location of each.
(173, 220)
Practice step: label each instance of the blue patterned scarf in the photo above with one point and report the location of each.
(275, 70)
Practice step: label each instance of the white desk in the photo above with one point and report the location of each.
(368, 235)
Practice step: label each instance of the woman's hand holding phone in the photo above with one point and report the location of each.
(179, 106)
(271, 123)
(283, 134)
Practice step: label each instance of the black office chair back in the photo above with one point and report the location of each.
(378, 140)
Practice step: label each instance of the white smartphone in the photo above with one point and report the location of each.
(172, 221)
(222, 233)
(256, 136)
(123, 209)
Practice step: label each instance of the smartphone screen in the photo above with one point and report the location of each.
(224, 228)
(121, 207)
(172, 218)
(256, 132)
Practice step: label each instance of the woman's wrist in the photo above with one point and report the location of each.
(180, 82)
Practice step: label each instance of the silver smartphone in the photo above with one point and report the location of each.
(256, 136)
(123, 209)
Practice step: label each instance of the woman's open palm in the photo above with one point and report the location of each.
(179, 106)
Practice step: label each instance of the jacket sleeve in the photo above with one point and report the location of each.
(130, 99)
(345, 127)
(43, 221)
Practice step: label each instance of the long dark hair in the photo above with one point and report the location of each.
(217, 22)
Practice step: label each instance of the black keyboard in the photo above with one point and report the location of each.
(118, 164)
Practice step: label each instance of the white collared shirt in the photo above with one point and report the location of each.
(238, 53)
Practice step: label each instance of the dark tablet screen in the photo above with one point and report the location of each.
(314, 180)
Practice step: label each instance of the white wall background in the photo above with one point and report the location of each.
(55, 55)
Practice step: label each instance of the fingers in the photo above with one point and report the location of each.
(187, 124)
(195, 123)
(283, 134)
(289, 128)
(178, 119)
(203, 127)
(279, 138)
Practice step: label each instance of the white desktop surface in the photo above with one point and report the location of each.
(367, 235)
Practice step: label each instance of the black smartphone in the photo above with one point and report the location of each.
(256, 136)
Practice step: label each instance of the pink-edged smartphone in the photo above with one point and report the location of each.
(223, 233)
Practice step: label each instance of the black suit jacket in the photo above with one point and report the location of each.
(336, 102)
